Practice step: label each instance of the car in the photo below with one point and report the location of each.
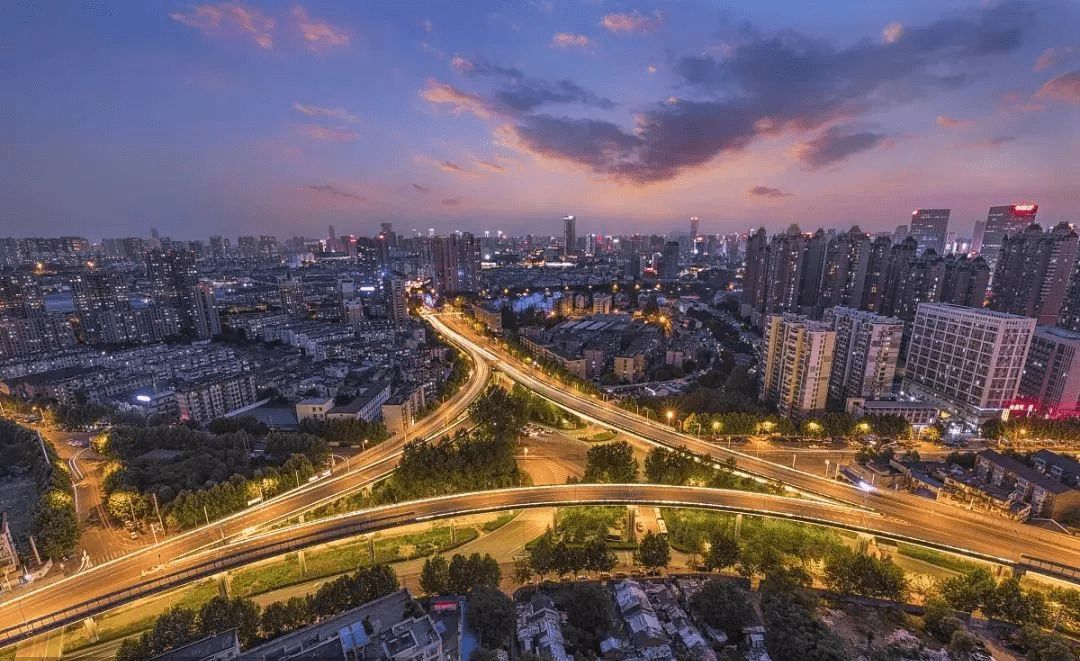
(151, 570)
(639, 527)
(133, 535)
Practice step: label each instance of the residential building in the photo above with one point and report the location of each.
(456, 263)
(399, 412)
(1032, 272)
(918, 414)
(291, 296)
(366, 406)
(965, 281)
(928, 226)
(867, 348)
(206, 399)
(783, 271)
(539, 629)
(218, 647)
(399, 302)
(753, 284)
(797, 356)
(173, 276)
(1004, 221)
(9, 555)
(1051, 380)
(314, 408)
(1047, 496)
(847, 257)
(206, 319)
(969, 360)
(670, 264)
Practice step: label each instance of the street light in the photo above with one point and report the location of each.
(670, 416)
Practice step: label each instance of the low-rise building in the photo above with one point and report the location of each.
(202, 401)
(315, 408)
(367, 406)
(539, 629)
(400, 410)
(217, 647)
(1047, 496)
(918, 414)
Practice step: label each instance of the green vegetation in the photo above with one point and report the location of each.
(455, 360)
(1025, 428)
(550, 554)
(793, 632)
(54, 523)
(460, 574)
(576, 525)
(491, 614)
(850, 572)
(600, 437)
(611, 463)
(499, 522)
(1006, 600)
(538, 409)
(181, 625)
(589, 610)
(938, 558)
(345, 432)
(653, 551)
(682, 467)
(723, 605)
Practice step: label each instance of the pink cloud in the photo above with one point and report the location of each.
(632, 22)
(1065, 87)
(1051, 57)
(892, 32)
(458, 101)
(214, 19)
(571, 40)
(461, 65)
(452, 201)
(327, 134)
(952, 122)
(321, 36)
(335, 113)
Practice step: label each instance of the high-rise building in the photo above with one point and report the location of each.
(921, 283)
(901, 257)
(1050, 384)
(173, 276)
(967, 359)
(813, 266)
(570, 234)
(291, 295)
(1001, 222)
(877, 269)
(867, 348)
(977, 236)
(798, 358)
(847, 258)
(694, 226)
(1033, 271)
(399, 304)
(753, 288)
(203, 400)
(670, 264)
(783, 271)
(965, 281)
(205, 316)
(456, 263)
(929, 227)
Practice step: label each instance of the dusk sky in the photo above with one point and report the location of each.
(281, 118)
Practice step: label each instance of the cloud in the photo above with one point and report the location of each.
(526, 96)
(952, 122)
(765, 191)
(892, 32)
(452, 201)
(484, 68)
(1019, 102)
(490, 167)
(1052, 57)
(321, 36)
(989, 143)
(422, 189)
(457, 100)
(327, 189)
(450, 166)
(213, 19)
(650, 69)
(633, 22)
(768, 85)
(834, 145)
(427, 25)
(1065, 87)
(327, 134)
(571, 40)
(335, 113)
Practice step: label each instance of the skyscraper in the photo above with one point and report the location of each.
(1033, 271)
(867, 348)
(570, 235)
(877, 268)
(977, 236)
(693, 228)
(929, 227)
(205, 315)
(783, 271)
(965, 281)
(847, 257)
(291, 295)
(1051, 380)
(456, 261)
(798, 358)
(967, 359)
(753, 289)
(399, 305)
(1001, 222)
(670, 265)
(173, 276)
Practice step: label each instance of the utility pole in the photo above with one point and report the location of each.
(207, 515)
(157, 510)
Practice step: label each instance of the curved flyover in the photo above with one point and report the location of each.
(90, 593)
(361, 471)
(897, 505)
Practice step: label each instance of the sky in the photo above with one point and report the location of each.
(282, 118)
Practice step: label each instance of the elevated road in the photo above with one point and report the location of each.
(37, 601)
(90, 593)
(896, 505)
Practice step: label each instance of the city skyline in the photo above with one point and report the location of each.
(232, 119)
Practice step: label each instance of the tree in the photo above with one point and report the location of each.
(1011, 602)
(483, 654)
(598, 557)
(523, 570)
(611, 463)
(723, 551)
(939, 619)
(435, 576)
(458, 578)
(1042, 646)
(792, 633)
(968, 592)
(221, 613)
(588, 615)
(173, 629)
(848, 572)
(653, 551)
(962, 643)
(491, 614)
(724, 605)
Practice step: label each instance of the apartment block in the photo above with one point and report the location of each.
(867, 348)
(1051, 380)
(798, 359)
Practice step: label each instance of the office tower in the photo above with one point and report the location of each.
(783, 271)
(967, 359)
(1050, 384)
(399, 304)
(900, 233)
(847, 257)
(753, 289)
(867, 348)
(798, 357)
(269, 249)
(173, 276)
(965, 281)
(291, 294)
(205, 315)
(1001, 222)
(928, 226)
(1033, 271)
(694, 226)
(134, 248)
(977, 236)
(570, 234)
(877, 268)
(670, 264)
(590, 244)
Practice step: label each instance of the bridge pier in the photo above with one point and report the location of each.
(738, 525)
(90, 625)
(303, 561)
(1018, 570)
